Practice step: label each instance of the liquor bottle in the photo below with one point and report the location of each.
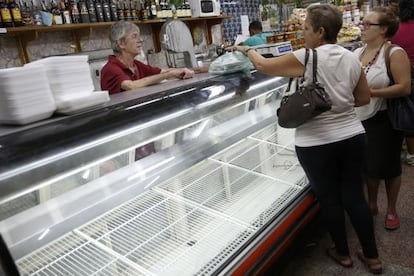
(106, 11)
(120, 10)
(83, 10)
(64, 9)
(75, 12)
(133, 10)
(112, 8)
(127, 11)
(26, 14)
(145, 11)
(15, 13)
(140, 9)
(91, 11)
(99, 11)
(57, 15)
(6, 16)
(158, 8)
(153, 8)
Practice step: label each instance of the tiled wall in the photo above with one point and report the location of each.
(235, 8)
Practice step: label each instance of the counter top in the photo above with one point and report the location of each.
(142, 94)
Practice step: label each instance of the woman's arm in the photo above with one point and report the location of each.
(401, 73)
(284, 66)
(361, 92)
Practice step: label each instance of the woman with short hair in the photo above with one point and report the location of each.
(330, 146)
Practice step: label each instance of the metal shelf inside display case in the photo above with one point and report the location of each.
(189, 224)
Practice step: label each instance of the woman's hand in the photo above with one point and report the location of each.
(243, 49)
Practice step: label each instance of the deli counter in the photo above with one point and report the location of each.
(186, 178)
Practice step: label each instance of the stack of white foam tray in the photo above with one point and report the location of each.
(71, 83)
(25, 95)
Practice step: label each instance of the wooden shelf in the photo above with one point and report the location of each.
(24, 35)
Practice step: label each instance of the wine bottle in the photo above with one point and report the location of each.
(26, 14)
(127, 11)
(91, 11)
(15, 13)
(106, 10)
(99, 11)
(6, 16)
(75, 12)
(120, 10)
(83, 10)
(153, 8)
(64, 8)
(57, 14)
(112, 7)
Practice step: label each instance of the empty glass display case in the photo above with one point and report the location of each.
(191, 179)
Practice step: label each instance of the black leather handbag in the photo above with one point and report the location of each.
(305, 102)
(401, 109)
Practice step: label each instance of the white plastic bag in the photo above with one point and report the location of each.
(230, 62)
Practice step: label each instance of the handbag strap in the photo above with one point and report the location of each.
(315, 66)
(387, 61)
(306, 56)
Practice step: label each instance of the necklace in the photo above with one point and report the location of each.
(372, 61)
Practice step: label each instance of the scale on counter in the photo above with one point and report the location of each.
(274, 49)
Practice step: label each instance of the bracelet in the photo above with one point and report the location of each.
(247, 51)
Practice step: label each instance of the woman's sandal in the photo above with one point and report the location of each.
(344, 261)
(374, 265)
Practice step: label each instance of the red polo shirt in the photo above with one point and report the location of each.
(115, 72)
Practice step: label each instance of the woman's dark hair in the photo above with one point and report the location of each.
(328, 17)
(388, 18)
(406, 10)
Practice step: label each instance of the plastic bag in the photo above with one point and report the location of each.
(230, 62)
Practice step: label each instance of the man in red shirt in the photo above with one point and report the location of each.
(122, 72)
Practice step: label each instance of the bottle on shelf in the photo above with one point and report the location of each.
(83, 11)
(146, 13)
(26, 14)
(6, 17)
(157, 8)
(106, 10)
(75, 12)
(15, 13)
(134, 14)
(56, 13)
(138, 8)
(120, 10)
(99, 11)
(64, 9)
(90, 5)
(112, 8)
(153, 8)
(127, 11)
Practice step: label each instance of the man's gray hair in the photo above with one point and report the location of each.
(120, 30)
